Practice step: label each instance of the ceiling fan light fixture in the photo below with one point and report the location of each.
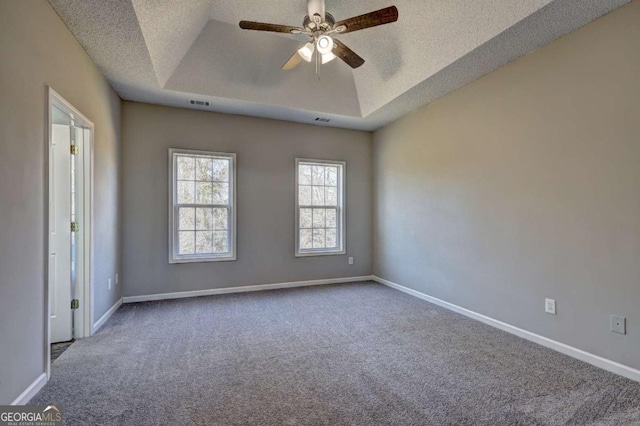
(327, 57)
(306, 51)
(325, 44)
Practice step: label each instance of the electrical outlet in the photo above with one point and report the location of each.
(109, 283)
(618, 324)
(550, 306)
(117, 279)
(351, 261)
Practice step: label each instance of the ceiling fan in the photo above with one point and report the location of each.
(321, 27)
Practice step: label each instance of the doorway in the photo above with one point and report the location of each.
(68, 301)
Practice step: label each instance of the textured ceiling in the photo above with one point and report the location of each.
(171, 51)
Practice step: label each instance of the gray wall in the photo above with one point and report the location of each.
(526, 185)
(265, 150)
(37, 50)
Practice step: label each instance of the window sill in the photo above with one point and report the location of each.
(321, 253)
(202, 259)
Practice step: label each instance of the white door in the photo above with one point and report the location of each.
(60, 217)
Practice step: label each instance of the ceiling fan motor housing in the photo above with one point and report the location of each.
(313, 26)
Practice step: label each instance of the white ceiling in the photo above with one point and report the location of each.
(170, 51)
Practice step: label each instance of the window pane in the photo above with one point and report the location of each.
(304, 196)
(306, 238)
(202, 232)
(305, 218)
(186, 168)
(332, 240)
(204, 242)
(318, 175)
(220, 171)
(187, 242)
(203, 169)
(220, 219)
(319, 206)
(318, 218)
(204, 219)
(331, 198)
(331, 218)
(318, 196)
(220, 242)
(318, 238)
(204, 193)
(304, 175)
(186, 192)
(331, 176)
(187, 219)
(220, 193)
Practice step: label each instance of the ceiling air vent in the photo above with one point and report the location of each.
(199, 103)
(323, 120)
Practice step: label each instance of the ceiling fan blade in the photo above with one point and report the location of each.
(368, 20)
(293, 62)
(316, 7)
(274, 28)
(349, 56)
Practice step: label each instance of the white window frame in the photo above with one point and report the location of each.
(173, 209)
(342, 213)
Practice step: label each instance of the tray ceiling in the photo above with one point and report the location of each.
(171, 51)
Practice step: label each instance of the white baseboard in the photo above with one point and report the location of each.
(587, 357)
(241, 289)
(106, 316)
(31, 391)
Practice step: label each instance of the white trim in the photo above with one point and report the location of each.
(31, 391)
(341, 210)
(84, 315)
(598, 361)
(106, 316)
(88, 304)
(240, 289)
(233, 215)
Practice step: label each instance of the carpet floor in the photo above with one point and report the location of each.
(346, 354)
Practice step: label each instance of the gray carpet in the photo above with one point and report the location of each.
(347, 354)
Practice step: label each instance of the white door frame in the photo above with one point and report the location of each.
(83, 316)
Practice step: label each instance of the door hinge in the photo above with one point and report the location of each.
(75, 304)
(75, 149)
(75, 226)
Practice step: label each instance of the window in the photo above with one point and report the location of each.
(202, 211)
(319, 207)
